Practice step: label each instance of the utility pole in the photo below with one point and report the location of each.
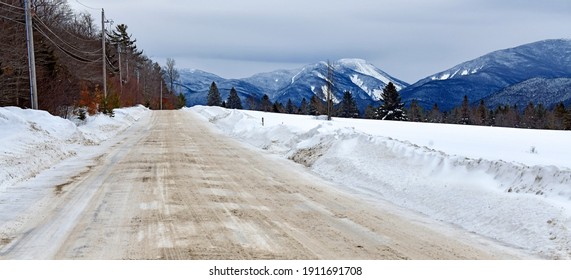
(104, 56)
(31, 56)
(120, 71)
(161, 101)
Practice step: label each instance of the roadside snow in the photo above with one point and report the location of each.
(32, 141)
(511, 185)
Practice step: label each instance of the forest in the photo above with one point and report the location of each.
(69, 62)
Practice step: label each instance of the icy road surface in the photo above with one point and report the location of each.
(169, 187)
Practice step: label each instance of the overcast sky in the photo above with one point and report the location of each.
(408, 39)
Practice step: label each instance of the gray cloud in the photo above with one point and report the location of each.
(408, 39)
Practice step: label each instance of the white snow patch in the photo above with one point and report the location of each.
(361, 66)
(479, 178)
(444, 76)
(32, 141)
(295, 76)
(375, 93)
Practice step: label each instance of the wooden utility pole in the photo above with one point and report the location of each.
(104, 56)
(31, 55)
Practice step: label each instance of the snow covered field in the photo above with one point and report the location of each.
(511, 185)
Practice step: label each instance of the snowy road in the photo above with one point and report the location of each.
(171, 188)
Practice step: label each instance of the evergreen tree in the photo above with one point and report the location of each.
(234, 101)
(127, 47)
(370, 112)
(415, 112)
(303, 108)
(567, 121)
(482, 114)
(528, 119)
(181, 100)
(277, 107)
(392, 108)
(214, 98)
(348, 107)
(435, 116)
(315, 106)
(540, 117)
(289, 107)
(266, 104)
(559, 113)
(465, 112)
(252, 103)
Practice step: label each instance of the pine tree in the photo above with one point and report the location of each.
(465, 112)
(348, 107)
(392, 108)
(315, 106)
(482, 114)
(540, 117)
(266, 104)
(371, 112)
(528, 119)
(234, 101)
(435, 116)
(415, 112)
(289, 107)
(559, 113)
(303, 108)
(214, 98)
(121, 38)
(278, 107)
(181, 100)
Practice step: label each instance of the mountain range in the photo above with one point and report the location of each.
(362, 79)
(539, 72)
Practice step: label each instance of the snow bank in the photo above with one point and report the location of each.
(479, 178)
(32, 141)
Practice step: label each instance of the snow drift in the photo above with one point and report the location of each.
(32, 141)
(510, 185)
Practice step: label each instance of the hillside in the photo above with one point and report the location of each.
(548, 92)
(488, 74)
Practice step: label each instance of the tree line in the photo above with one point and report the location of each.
(69, 58)
(532, 116)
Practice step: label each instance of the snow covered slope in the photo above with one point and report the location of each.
(488, 74)
(548, 92)
(511, 185)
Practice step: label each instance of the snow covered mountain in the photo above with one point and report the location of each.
(362, 79)
(549, 91)
(491, 73)
(196, 84)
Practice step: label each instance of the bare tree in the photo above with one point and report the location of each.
(171, 73)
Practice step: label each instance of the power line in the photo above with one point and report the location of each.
(86, 5)
(13, 20)
(12, 6)
(63, 41)
(18, 12)
(70, 54)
